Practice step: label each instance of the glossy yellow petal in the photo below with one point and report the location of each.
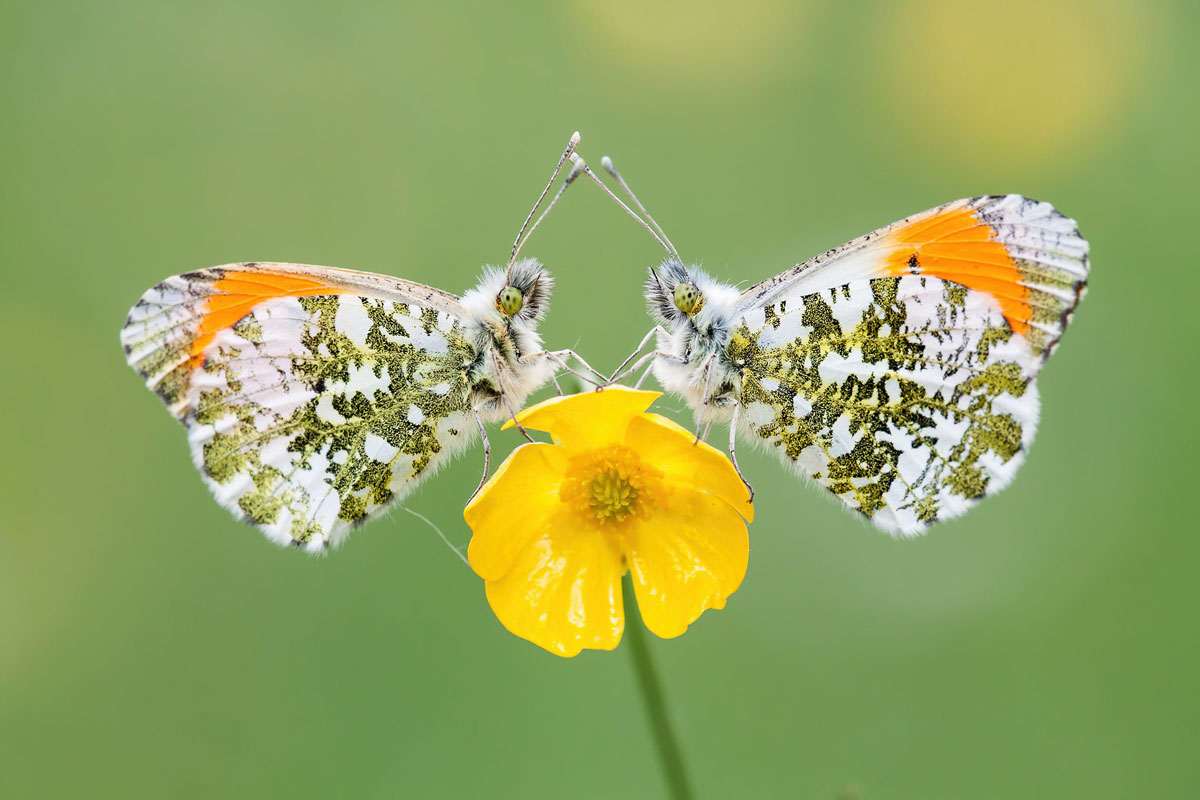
(563, 593)
(513, 507)
(587, 419)
(556, 526)
(688, 558)
(671, 448)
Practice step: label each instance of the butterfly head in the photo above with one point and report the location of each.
(518, 294)
(510, 301)
(675, 292)
(688, 298)
(525, 294)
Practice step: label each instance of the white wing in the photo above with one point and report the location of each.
(313, 397)
(898, 370)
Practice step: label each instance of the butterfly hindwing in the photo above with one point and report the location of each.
(909, 398)
(310, 404)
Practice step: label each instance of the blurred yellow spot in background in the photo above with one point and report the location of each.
(1023, 79)
(709, 45)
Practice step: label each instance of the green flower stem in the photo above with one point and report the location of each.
(670, 757)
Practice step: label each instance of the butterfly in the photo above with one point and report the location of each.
(316, 397)
(897, 370)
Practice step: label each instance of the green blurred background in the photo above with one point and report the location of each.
(1045, 646)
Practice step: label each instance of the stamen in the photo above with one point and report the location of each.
(610, 486)
(613, 496)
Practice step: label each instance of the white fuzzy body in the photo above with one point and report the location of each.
(511, 347)
(693, 347)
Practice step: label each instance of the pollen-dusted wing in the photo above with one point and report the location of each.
(898, 371)
(314, 397)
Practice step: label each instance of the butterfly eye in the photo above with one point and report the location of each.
(688, 298)
(510, 301)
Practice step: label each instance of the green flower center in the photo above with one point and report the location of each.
(611, 486)
(611, 495)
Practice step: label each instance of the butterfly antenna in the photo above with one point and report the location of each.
(572, 143)
(566, 184)
(611, 169)
(581, 165)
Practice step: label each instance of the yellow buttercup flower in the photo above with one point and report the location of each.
(558, 525)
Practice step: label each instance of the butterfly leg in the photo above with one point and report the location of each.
(595, 372)
(733, 422)
(503, 398)
(707, 367)
(646, 374)
(523, 430)
(562, 359)
(647, 359)
(487, 457)
(620, 371)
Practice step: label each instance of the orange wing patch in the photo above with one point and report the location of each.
(235, 294)
(169, 328)
(956, 245)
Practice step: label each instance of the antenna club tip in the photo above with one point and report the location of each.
(577, 161)
(575, 138)
(607, 163)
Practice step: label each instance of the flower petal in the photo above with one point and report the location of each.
(685, 559)
(513, 507)
(587, 419)
(701, 467)
(564, 591)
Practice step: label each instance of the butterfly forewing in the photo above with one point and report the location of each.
(1023, 253)
(310, 405)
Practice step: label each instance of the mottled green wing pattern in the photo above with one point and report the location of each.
(909, 398)
(309, 414)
